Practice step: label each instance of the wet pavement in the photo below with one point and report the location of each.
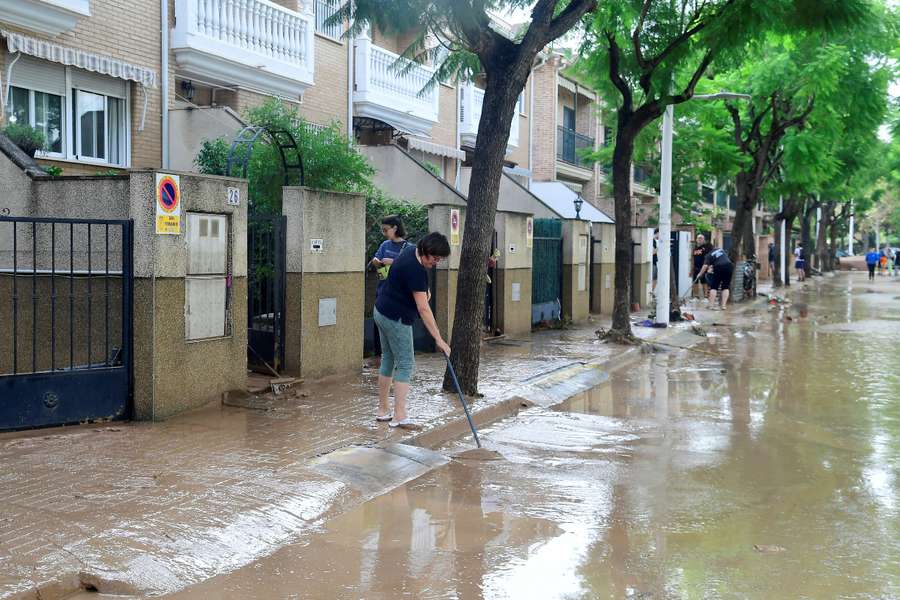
(150, 508)
(762, 463)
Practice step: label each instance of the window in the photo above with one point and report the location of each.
(84, 115)
(521, 104)
(43, 112)
(325, 9)
(569, 118)
(100, 127)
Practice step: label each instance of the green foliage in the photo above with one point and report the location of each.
(26, 137)
(378, 206)
(329, 161)
(53, 170)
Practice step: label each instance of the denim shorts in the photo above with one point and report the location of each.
(398, 359)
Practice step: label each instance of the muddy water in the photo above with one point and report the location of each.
(765, 464)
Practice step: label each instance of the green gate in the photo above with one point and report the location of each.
(546, 271)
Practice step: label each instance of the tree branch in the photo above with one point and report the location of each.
(738, 131)
(565, 20)
(615, 56)
(688, 92)
(636, 35)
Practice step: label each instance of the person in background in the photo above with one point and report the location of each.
(800, 262)
(393, 244)
(896, 261)
(721, 270)
(772, 260)
(872, 260)
(403, 298)
(700, 251)
(891, 256)
(390, 248)
(882, 261)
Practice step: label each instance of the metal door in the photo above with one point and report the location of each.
(266, 266)
(547, 272)
(66, 290)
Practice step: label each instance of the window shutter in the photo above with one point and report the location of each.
(38, 75)
(99, 84)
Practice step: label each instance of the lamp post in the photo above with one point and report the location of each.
(578, 201)
(663, 250)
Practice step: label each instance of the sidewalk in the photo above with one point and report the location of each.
(154, 507)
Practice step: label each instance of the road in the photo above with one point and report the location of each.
(763, 463)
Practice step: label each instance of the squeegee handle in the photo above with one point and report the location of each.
(462, 401)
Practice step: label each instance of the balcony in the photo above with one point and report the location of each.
(250, 43)
(570, 145)
(472, 99)
(390, 89)
(50, 17)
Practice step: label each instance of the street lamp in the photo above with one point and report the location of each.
(663, 250)
(578, 201)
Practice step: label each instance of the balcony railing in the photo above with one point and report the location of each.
(325, 9)
(472, 101)
(390, 88)
(255, 43)
(570, 146)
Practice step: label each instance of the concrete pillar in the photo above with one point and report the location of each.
(172, 374)
(324, 299)
(576, 262)
(603, 268)
(440, 219)
(512, 285)
(642, 284)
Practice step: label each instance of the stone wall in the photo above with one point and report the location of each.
(329, 275)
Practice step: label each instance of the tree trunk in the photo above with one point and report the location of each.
(788, 228)
(621, 173)
(500, 99)
(742, 243)
(776, 277)
(806, 234)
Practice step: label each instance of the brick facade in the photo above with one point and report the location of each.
(544, 114)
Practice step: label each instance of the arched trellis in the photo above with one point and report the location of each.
(280, 138)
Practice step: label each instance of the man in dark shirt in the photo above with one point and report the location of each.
(722, 269)
(700, 251)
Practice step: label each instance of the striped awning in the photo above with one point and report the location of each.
(436, 149)
(73, 57)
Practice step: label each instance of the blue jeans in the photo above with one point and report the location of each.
(397, 354)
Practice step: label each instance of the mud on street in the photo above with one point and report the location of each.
(762, 465)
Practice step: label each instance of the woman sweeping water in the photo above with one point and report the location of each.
(403, 297)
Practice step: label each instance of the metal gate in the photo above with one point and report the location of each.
(266, 249)
(66, 307)
(547, 272)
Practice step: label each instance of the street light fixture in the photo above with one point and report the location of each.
(578, 202)
(663, 249)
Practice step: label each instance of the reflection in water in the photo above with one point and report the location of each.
(657, 484)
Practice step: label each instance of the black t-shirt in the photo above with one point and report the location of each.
(407, 275)
(718, 258)
(700, 254)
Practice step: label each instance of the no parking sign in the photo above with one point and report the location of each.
(168, 204)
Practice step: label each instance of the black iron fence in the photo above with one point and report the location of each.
(570, 147)
(66, 308)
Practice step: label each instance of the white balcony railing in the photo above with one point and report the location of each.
(387, 90)
(471, 101)
(254, 43)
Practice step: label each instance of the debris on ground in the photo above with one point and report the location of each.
(768, 548)
(611, 335)
(478, 454)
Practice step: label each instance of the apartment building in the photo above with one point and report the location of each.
(88, 77)
(567, 123)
